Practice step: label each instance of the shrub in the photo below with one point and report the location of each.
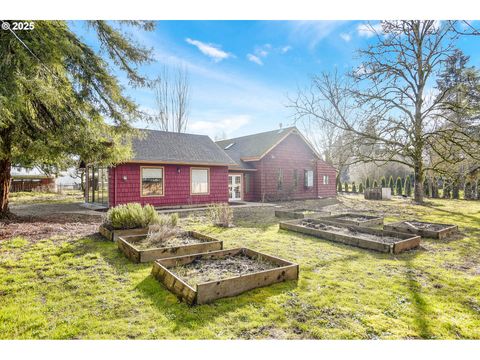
(398, 186)
(408, 186)
(130, 216)
(367, 183)
(375, 184)
(346, 187)
(426, 187)
(478, 189)
(360, 188)
(220, 214)
(383, 181)
(161, 232)
(391, 184)
(354, 187)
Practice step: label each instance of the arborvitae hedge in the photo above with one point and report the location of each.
(398, 186)
(383, 181)
(367, 183)
(346, 186)
(375, 184)
(408, 186)
(391, 184)
(339, 186)
(360, 188)
(354, 187)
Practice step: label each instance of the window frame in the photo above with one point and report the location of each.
(141, 180)
(192, 169)
(328, 179)
(306, 177)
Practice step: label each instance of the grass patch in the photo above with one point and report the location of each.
(33, 197)
(86, 289)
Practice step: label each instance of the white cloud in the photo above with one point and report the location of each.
(210, 50)
(254, 59)
(369, 30)
(227, 125)
(285, 49)
(313, 31)
(346, 37)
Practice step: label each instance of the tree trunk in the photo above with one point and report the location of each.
(419, 177)
(5, 172)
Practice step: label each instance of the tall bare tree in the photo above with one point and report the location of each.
(172, 97)
(388, 105)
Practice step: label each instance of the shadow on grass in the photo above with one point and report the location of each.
(199, 316)
(421, 309)
(459, 214)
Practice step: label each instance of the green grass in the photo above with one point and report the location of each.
(67, 289)
(34, 197)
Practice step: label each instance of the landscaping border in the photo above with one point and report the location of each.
(405, 241)
(126, 245)
(209, 291)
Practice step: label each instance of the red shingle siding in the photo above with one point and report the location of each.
(177, 186)
(330, 189)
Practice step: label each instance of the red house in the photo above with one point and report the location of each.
(174, 169)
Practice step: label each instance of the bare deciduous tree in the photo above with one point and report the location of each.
(388, 105)
(172, 96)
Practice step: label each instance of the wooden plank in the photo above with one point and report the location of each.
(403, 226)
(187, 259)
(371, 221)
(173, 283)
(213, 290)
(407, 244)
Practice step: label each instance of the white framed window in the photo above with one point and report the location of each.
(199, 181)
(325, 179)
(308, 178)
(152, 181)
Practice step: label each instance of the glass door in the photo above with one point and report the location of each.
(234, 187)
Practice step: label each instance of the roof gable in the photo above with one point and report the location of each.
(254, 147)
(172, 147)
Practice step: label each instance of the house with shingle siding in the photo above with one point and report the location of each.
(175, 169)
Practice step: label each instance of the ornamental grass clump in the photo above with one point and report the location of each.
(220, 214)
(131, 216)
(165, 228)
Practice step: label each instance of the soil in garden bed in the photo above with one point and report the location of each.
(427, 226)
(355, 218)
(347, 231)
(204, 270)
(178, 240)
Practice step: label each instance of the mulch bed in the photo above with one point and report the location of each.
(204, 270)
(34, 228)
(350, 232)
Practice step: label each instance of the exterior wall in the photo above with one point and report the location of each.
(330, 189)
(177, 186)
(292, 153)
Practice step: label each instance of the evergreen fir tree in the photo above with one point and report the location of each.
(375, 184)
(339, 186)
(408, 186)
(426, 187)
(354, 187)
(367, 183)
(391, 184)
(360, 187)
(346, 186)
(383, 181)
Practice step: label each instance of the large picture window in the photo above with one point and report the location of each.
(152, 181)
(200, 181)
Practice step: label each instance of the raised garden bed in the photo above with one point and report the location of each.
(300, 213)
(357, 219)
(422, 228)
(139, 249)
(203, 278)
(366, 238)
(114, 234)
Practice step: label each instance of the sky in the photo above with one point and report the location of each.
(243, 72)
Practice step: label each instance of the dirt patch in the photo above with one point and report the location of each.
(179, 240)
(427, 225)
(355, 218)
(348, 231)
(35, 228)
(204, 270)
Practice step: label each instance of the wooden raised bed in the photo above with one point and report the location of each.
(357, 219)
(114, 234)
(300, 213)
(127, 245)
(422, 228)
(405, 241)
(206, 292)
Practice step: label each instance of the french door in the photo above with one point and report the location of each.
(234, 187)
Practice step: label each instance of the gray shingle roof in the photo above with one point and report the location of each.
(163, 146)
(252, 145)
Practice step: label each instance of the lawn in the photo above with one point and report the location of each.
(35, 197)
(67, 287)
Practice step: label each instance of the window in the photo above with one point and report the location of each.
(152, 181)
(308, 178)
(280, 179)
(247, 183)
(325, 179)
(199, 181)
(295, 178)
